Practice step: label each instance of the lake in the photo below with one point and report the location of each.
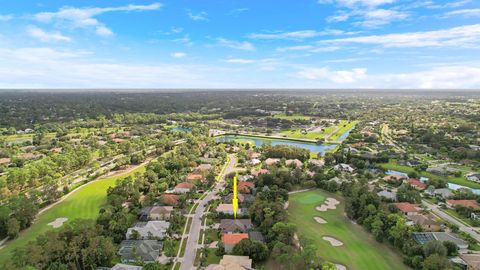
(316, 148)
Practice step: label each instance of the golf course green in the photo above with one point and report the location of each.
(83, 203)
(359, 251)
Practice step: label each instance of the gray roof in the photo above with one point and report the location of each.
(235, 225)
(256, 236)
(388, 194)
(424, 237)
(151, 228)
(146, 250)
(121, 266)
(444, 192)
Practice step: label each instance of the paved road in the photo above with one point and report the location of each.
(437, 211)
(193, 235)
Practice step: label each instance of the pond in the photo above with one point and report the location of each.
(181, 129)
(316, 148)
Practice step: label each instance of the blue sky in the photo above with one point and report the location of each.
(240, 44)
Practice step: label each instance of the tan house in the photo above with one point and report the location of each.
(230, 262)
(426, 222)
(471, 260)
(161, 212)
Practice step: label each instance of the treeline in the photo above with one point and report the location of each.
(368, 210)
(285, 151)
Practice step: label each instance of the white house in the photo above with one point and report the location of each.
(149, 230)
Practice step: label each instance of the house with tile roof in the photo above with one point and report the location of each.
(406, 208)
(417, 184)
(466, 203)
(235, 225)
(245, 187)
(149, 230)
(230, 262)
(183, 188)
(169, 199)
(146, 251)
(229, 240)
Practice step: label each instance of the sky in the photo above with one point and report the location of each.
(240, 44)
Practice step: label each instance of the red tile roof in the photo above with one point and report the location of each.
(467, 203)
(261, 171)
(194, 177)
(118, 140)
(406, 207)
(245, 187)
(184, 185)
(169, 199)
(417, 183)
(233, 238)
(393, 177)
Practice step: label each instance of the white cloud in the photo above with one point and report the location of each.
(474, 12)
(463, 36)
(4, 18)
(85, 17)
(351, 3)
(308, 48)
(239, 45)
(240, 61)
(41, 35)
(201, 16)
(296, 35)
(178, 55)
(379, 17)
(339, 77)
(441, 77)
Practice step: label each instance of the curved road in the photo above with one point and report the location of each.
(193, 235)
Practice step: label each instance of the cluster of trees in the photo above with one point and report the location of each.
(285, 151)
(368, 210)
(16, 215)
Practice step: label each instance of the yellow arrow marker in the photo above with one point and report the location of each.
(235, 200)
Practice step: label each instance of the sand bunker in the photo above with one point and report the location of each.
(340, 267)
(330, 203)
(57, 223)
(320, 220)
(334, 242)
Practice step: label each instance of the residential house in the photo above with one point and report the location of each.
(245, 187)
(146, 251)
(226, 208)
(394, 178)
(294, 162)
(427, 222)
(254, 161)
(472, 261)
(388, 195)
(444, 193)
(118, 140)
(149, 230)
(416, 184)
(121, 266)
(242, 198)
(169, 199)
(230, 262)
(5, 161)
(406, 208)
(235, 225)
(229, 240)
(473, 177)
(317, 162)
(343, 167)
(194, 177)
(272, 161)
(155, 213)
(246, 177)
(183, 188)
(259, 172)
(203, 168)
(425, 237)
(466, 203)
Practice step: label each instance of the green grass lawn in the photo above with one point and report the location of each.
(83, 203)
(292, 117)
(461, 180)
(297, 133)
(359, 251)
(344, 127)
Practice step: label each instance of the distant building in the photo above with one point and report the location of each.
(388, 195)
(245, 187)
(226, 209)
(169, 199)
(146, 251)
(466, 203)
(259, 172)
(242, 198)
(194, 177)
(426, 222)
(256, 236)
(343, 167)
(294, 162)
(416, 184)
(317, 162)
(475, 177)
(272, 161)
(472, 261)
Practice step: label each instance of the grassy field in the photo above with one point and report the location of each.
(83, 203)
(297, 133)
(292, 117)
(461, 180)
(360, 251)
(344, 127)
